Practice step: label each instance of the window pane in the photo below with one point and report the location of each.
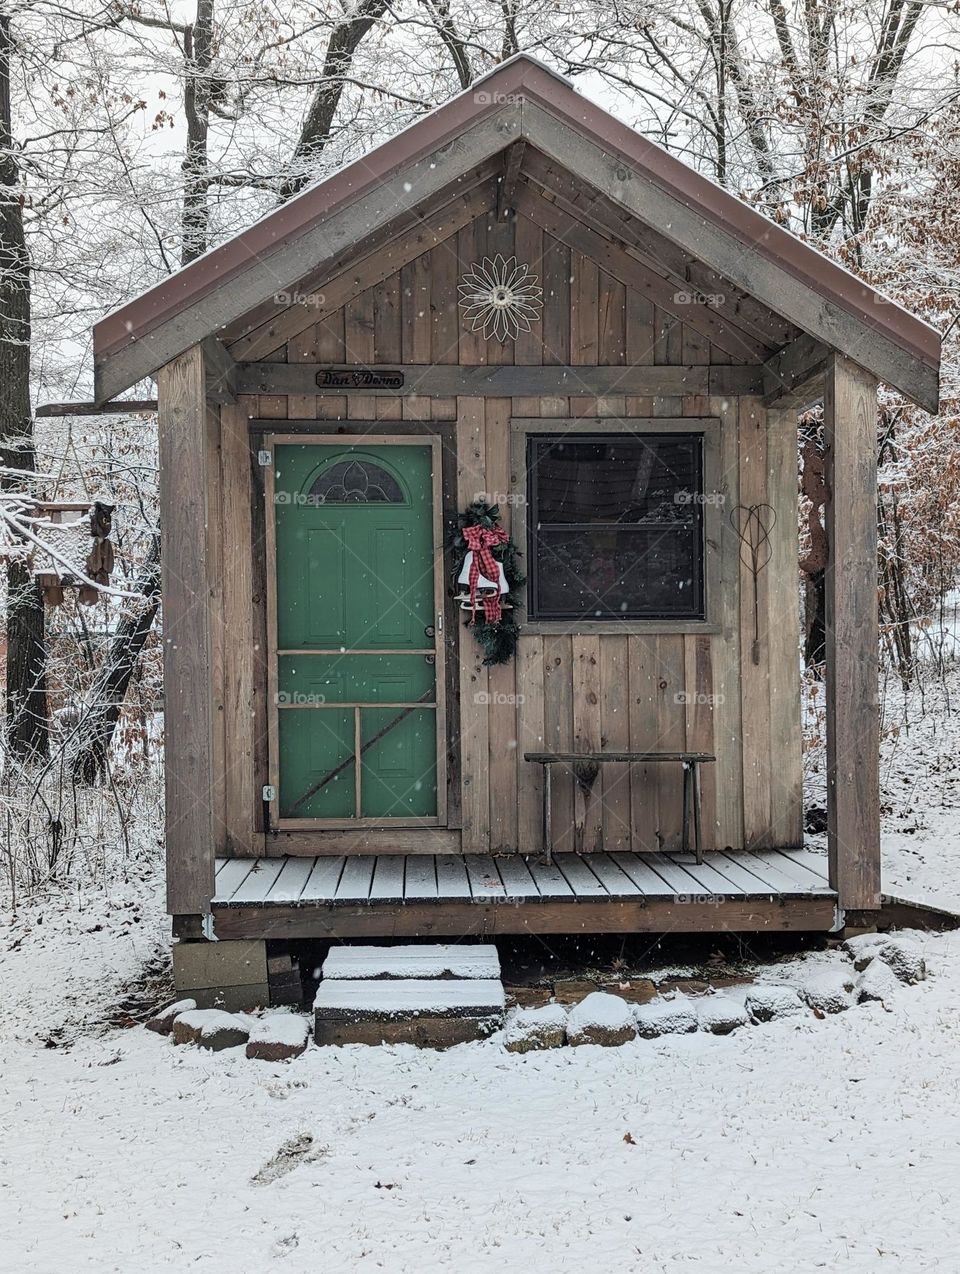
(604, 572)
(617, 479)
(356, 482)
(615, 526)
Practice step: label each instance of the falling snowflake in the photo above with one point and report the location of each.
(500, 298)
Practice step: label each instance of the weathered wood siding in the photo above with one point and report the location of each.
(698, 690)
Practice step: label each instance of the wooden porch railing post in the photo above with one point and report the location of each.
(852, 646)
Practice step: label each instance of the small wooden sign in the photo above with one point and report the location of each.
(359, 378)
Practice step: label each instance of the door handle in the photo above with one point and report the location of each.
(430, 631)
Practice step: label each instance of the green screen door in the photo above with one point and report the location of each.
(356, 722)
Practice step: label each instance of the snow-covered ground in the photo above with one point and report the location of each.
(794, 1146)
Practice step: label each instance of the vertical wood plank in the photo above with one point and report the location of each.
(588, 805)
(698, 679)
(474, 681)
(184, 459)
(644, 737)
(387, 317)
(728, 745)
(241, 688)
(558, 733)
(783, 634)
(358, 341)
(754, 677)
(671, 735)
(615, 736)
(530, 738)
(502, 678)
(853, 781)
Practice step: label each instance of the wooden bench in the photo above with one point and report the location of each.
(584, 762)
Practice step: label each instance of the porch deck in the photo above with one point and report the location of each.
(424, 895)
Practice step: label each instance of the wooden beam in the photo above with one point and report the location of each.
(853, 744)
(681, 302)
(511, 175)
(451, 380)
(119, 407)
(753, 272)
(793, 377)
(760, 915)
(186, 458)
(219, 371)
(323, 242)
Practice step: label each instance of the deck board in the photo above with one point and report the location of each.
(485, 880)
(516, 877)
(357, 878)
(410, 879)
(421, 877)
(292, 881)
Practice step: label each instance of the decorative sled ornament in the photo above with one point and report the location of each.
(500, 298)
(487, 575)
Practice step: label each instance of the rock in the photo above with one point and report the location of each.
(772, 1003)
(877, 982)
(665, 1017)
(601, 1019)
(536, 1028)
(905, 958)
(210, 1028)
(634, 991)
(863, 947)
(572, 990)
(162, 1022)
(720, 1015)
(277, 1037)
(528, 997)
(827, 990)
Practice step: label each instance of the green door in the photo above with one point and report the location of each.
(356, 674)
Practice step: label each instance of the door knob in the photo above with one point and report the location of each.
(430, 631)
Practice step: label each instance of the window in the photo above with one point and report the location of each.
(615, 526)
(356, 482)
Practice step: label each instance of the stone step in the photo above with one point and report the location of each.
(409, 960)
(427, 1012)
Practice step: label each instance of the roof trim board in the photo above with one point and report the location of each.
(531, 103)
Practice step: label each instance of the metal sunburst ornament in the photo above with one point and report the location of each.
(500, 298)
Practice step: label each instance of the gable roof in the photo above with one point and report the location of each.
(520, 100)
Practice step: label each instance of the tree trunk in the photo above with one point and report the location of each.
(198, 54)
(344, 41)
(110, 688)
(26, 698)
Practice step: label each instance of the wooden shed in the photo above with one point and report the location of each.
(522, 302)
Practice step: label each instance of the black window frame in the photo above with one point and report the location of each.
(533, 607)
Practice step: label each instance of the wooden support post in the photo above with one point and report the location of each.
(853, 772)
(186, 447)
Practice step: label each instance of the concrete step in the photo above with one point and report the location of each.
(410, 960)
(428, 1012)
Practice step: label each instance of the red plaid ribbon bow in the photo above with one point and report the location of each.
(481, 542)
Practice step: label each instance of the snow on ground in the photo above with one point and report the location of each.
(829, 1144)
(794, 1146)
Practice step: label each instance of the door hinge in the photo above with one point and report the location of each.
(264, 458)
(269, 793)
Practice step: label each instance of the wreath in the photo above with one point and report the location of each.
(487, 576)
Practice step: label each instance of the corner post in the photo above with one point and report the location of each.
(852, 646)
(186, 456)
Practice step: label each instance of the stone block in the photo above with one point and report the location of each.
(601, 1019)
(536, 1028)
